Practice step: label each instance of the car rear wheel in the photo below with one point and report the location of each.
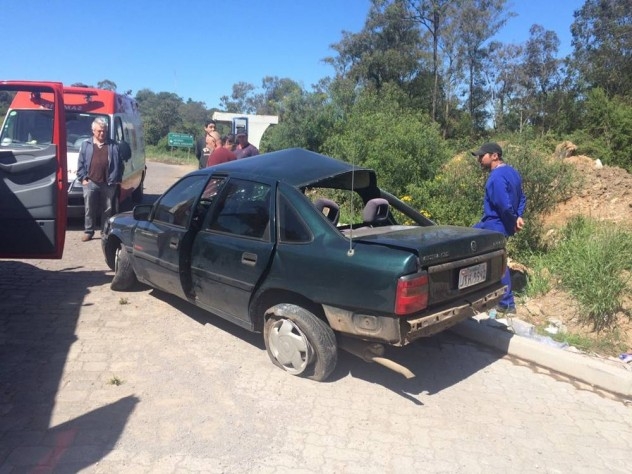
(299, 342)
(124, 276)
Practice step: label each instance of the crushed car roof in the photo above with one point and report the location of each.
(300, 168)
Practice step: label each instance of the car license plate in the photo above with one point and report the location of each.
(473, 275)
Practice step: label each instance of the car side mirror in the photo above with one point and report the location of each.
(142, 212)
(125, 151)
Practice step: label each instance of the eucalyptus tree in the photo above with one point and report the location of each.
(387, 49)
(478, 21)
(107, 85)
(508, 92)
(541, 75)
(602, 45)
(274, 91)
(435, 17)
(241, 99)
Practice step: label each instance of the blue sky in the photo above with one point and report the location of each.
(198, 49)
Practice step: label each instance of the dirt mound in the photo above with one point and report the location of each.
(605, 194)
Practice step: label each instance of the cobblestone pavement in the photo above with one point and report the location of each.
(103, 382)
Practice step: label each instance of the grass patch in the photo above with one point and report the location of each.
(539, 277)
(177, 156)
(609, 344)
(123, 300)
(592, 261)
(115, 381)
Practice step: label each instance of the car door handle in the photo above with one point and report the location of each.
(248, 258)
(173, 243)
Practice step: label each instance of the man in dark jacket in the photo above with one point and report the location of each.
(100, 169)
(201, 150)
(244, 148)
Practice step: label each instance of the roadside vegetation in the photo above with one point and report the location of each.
(593, 262)
(421, 84)
(175, 156)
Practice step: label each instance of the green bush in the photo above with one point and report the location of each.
(455, 194)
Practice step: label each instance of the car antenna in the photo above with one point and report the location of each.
(351, 251)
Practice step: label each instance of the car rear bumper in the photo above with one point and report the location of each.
(398, 331)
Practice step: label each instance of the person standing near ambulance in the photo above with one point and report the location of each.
(100, 169)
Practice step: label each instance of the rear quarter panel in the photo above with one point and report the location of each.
(326, 272)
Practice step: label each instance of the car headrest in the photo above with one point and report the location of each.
(329, 208)
(375, 211)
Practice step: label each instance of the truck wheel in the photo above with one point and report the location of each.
(299, 342)
(124, 276)
(137, 194)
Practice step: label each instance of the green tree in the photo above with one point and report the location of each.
(107, 85)
(403, 145)
(434, 16)
(478, 21)
(160, 112)
(274, 92)
(608, 126)
(307, 119)
(241, 100)
(388, 49)
(541, 75)
(602, 45)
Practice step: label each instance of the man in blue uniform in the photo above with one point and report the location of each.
(503, 207)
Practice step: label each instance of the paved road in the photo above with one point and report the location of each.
(103, 382)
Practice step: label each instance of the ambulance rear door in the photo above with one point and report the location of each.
(33, 182)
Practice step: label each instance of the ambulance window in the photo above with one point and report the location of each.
(118, 130)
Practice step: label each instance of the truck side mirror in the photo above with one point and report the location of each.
(125, 151)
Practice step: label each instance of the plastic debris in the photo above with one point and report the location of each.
(625, 357)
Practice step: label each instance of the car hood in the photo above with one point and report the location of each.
(438, 244)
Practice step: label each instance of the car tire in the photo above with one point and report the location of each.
(124, 276)
(299, 342)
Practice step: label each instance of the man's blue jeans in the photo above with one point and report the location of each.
(508, 298)
(99, 201)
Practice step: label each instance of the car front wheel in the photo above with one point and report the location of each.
(124, 276)
(299, 342)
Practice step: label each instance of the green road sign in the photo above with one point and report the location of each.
(180, 139)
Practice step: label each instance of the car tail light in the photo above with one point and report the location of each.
(412, 294)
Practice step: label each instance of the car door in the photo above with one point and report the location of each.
(33, 191)
(162, 244)
(233, 249)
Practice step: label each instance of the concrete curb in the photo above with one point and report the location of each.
(595, 372)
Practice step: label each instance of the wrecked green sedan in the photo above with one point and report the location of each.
(309, 251)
